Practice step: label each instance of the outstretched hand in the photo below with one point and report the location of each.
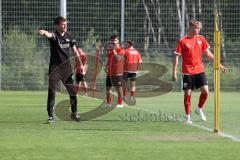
(41, 32)
(223, 69)
(174, 77)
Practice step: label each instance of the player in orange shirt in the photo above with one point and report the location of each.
(115, 71)
(81, 73)
(190, 47)
(132, 60)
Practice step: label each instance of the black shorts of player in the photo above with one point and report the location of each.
(114, 81)
(130, 76)
(80, 77)
(195, 81)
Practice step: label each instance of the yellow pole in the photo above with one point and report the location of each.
(217, 42)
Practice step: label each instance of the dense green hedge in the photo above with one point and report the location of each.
(23, 65)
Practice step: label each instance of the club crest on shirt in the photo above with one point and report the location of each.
(199, 42)
(188, 45)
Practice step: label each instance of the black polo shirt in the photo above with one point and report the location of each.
(60, 48)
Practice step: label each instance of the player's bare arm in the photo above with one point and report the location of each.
(210, 56)
(45, 33)
(118, 57)
(77, 55)
(80, 51)
(85, 67)
(174, 69)
(138, 65)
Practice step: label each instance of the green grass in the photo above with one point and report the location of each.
(24, 134)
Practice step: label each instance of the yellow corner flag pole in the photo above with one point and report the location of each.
(217, 42)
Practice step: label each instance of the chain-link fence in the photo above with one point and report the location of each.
(153, 25)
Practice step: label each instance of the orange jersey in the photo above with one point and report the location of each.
(132, 60)
(191, 48)
(84, 62)
(115, 65)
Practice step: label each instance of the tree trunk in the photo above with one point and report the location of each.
(146, 29)
(223, 53)
(160, 23)
(179, 13)
(222, 38)
(194, 9)
(199, 6)
(149, 21)
(159, 29)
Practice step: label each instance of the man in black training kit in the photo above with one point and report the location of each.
(60, 67)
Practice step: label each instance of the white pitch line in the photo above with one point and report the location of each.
(222, 134)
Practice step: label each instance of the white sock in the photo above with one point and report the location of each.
(188, 117)
(199, 109)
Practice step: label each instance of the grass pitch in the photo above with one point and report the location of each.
(120, 134)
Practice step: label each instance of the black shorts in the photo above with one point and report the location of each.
(195, 81)
(114, 81)
(80, 77)
(130, 76)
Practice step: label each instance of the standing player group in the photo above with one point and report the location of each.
(122, 66)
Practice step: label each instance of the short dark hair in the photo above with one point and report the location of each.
(130, 42)
(59, 19)
(113, 37)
